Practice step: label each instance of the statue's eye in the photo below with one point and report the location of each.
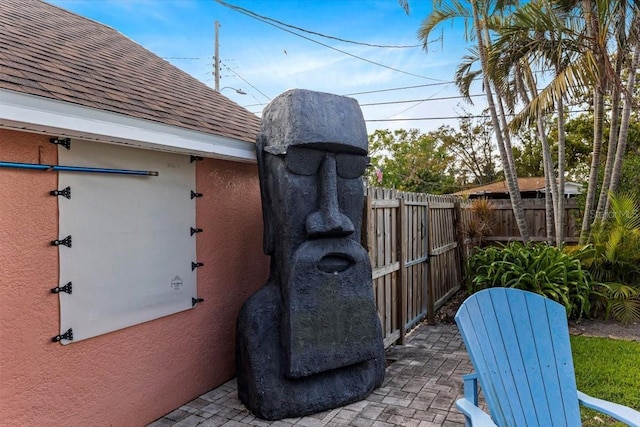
(351, 166)
(304, 161)
(307, 161)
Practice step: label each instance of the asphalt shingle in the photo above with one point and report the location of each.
(50, 52)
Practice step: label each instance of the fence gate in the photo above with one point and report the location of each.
(380, 228)
(412, 243)
(445, 257)
(416, 247)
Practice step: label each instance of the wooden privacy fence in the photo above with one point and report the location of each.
(415, 254)
(503, 222)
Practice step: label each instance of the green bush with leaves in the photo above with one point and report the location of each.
(613, 259)
(538, 268)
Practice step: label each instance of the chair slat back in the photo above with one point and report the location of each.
(519, 345)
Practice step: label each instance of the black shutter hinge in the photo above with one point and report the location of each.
(66, 336)
(65, 142)
(194, 301)
(195, 159)
(65, 242)
(66, 192)
(195, 230)
(194, 194)
(195, 265)
(68, 288)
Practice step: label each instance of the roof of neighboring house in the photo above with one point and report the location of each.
(49, 52)
(525, 184)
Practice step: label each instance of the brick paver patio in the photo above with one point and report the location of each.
(421, 385)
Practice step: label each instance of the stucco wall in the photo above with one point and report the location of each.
(132, 376)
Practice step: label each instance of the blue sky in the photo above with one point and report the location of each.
(265, 61)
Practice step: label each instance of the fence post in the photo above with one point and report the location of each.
(457, 224)
(426, 274)
(365, 232)
(401, 227)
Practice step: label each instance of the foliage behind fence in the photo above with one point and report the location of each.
(503, 223)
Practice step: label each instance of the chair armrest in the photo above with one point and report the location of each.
(471, 387)
(619, 412)
(474, 415)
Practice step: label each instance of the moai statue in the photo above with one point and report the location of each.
(310, 339)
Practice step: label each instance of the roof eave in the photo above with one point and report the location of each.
(26, 112)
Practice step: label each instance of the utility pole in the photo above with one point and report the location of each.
(216, 58)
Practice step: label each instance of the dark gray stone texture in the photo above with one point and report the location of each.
(310, 339)
(299, 117)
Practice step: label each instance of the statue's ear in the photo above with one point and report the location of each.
(268, 239)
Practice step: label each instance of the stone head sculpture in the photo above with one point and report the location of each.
(312, 152)
(322, 143)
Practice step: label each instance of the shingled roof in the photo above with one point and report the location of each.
(50, 52)
(527, 184)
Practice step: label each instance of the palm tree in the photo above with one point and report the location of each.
(579, 36)
(633, 38)
(533, 36)
(478, 18)
(573, 38)
(600, 17)
(624, 125)
(526, 85)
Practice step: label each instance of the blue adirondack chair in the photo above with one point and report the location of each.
(519, 345)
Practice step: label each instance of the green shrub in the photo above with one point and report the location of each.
(613, 259)
(539, 268)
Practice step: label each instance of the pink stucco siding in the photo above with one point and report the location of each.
(132, 376)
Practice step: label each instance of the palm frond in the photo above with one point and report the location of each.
(624, 211)
(574, 80)
(465, 74)
(405, 5)
(444, 12)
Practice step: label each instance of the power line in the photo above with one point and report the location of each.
(266, 18)
(400, 88)
(377, 91)
(419, 100)
(245, 80)
(469, 116)
(441, 83)
(416, 104)
(422, 100)
(442, 98)
(427, 118)
(326, 45)
(254, 105)
(399, 102)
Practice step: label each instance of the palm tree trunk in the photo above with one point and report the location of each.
(550, 188)
(548, 205)
(593, 33)
(598, 121)
(561, 215)
(624, 124)
(621, 35)
(512, 182)
(603, 200)
(505, 136)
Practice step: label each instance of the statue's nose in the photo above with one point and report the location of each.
(328, 220)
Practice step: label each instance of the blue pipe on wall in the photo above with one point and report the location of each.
(76, 169)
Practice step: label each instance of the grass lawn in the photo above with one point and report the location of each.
(607, 369)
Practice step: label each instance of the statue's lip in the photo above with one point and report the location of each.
(335, 263)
